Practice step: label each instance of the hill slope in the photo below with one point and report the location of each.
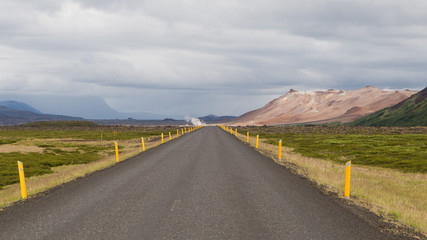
(19, 106)
(323, 106)
(10, 116)
(409, 112)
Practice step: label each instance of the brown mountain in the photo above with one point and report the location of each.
(410, 112)
(323, 106)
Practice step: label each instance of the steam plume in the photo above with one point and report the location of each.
(194, 121)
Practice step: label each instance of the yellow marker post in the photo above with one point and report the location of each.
(22, 180)
(143, 144)
(257, 140)
(117, 151)
(182, 131)
(347, 179)
(280, 151)
(177, 133)
(170, 136)
(247, 137)
(162, 138)
(235, 132)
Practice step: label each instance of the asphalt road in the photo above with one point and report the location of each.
(204, 185)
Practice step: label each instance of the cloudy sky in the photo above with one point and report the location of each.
(182, 57)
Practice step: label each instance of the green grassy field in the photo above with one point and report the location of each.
(47, 145)
(41, 163)
(78, 130)
(390, 147)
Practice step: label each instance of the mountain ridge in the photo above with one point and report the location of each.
(322, 106)
(9, 116)
(409, 112)
(88, 107)
(212, 118)
(19, 106)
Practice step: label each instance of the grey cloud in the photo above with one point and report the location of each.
(209, 50)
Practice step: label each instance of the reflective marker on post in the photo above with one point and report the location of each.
(143, 144)
(247, 137)
(162, 138)
(347, 179)
(117, 151)
(280, 150)
(257, 140)
(170, 136)
(22, 180)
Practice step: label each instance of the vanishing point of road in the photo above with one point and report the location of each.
(203, 185)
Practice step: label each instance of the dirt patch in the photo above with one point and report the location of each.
(19, 148)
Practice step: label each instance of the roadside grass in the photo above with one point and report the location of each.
(64, 158)
(393, 194)
(42, 163)
(396, 149)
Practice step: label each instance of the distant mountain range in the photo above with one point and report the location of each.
(89, 107)
(211, 118)
(19, 106)
(409, 112)
(10, 116)
(323, 106)
(16, 113)
(367, 106)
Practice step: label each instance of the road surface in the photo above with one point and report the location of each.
(203, 185)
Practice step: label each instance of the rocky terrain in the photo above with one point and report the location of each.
(323, 106)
